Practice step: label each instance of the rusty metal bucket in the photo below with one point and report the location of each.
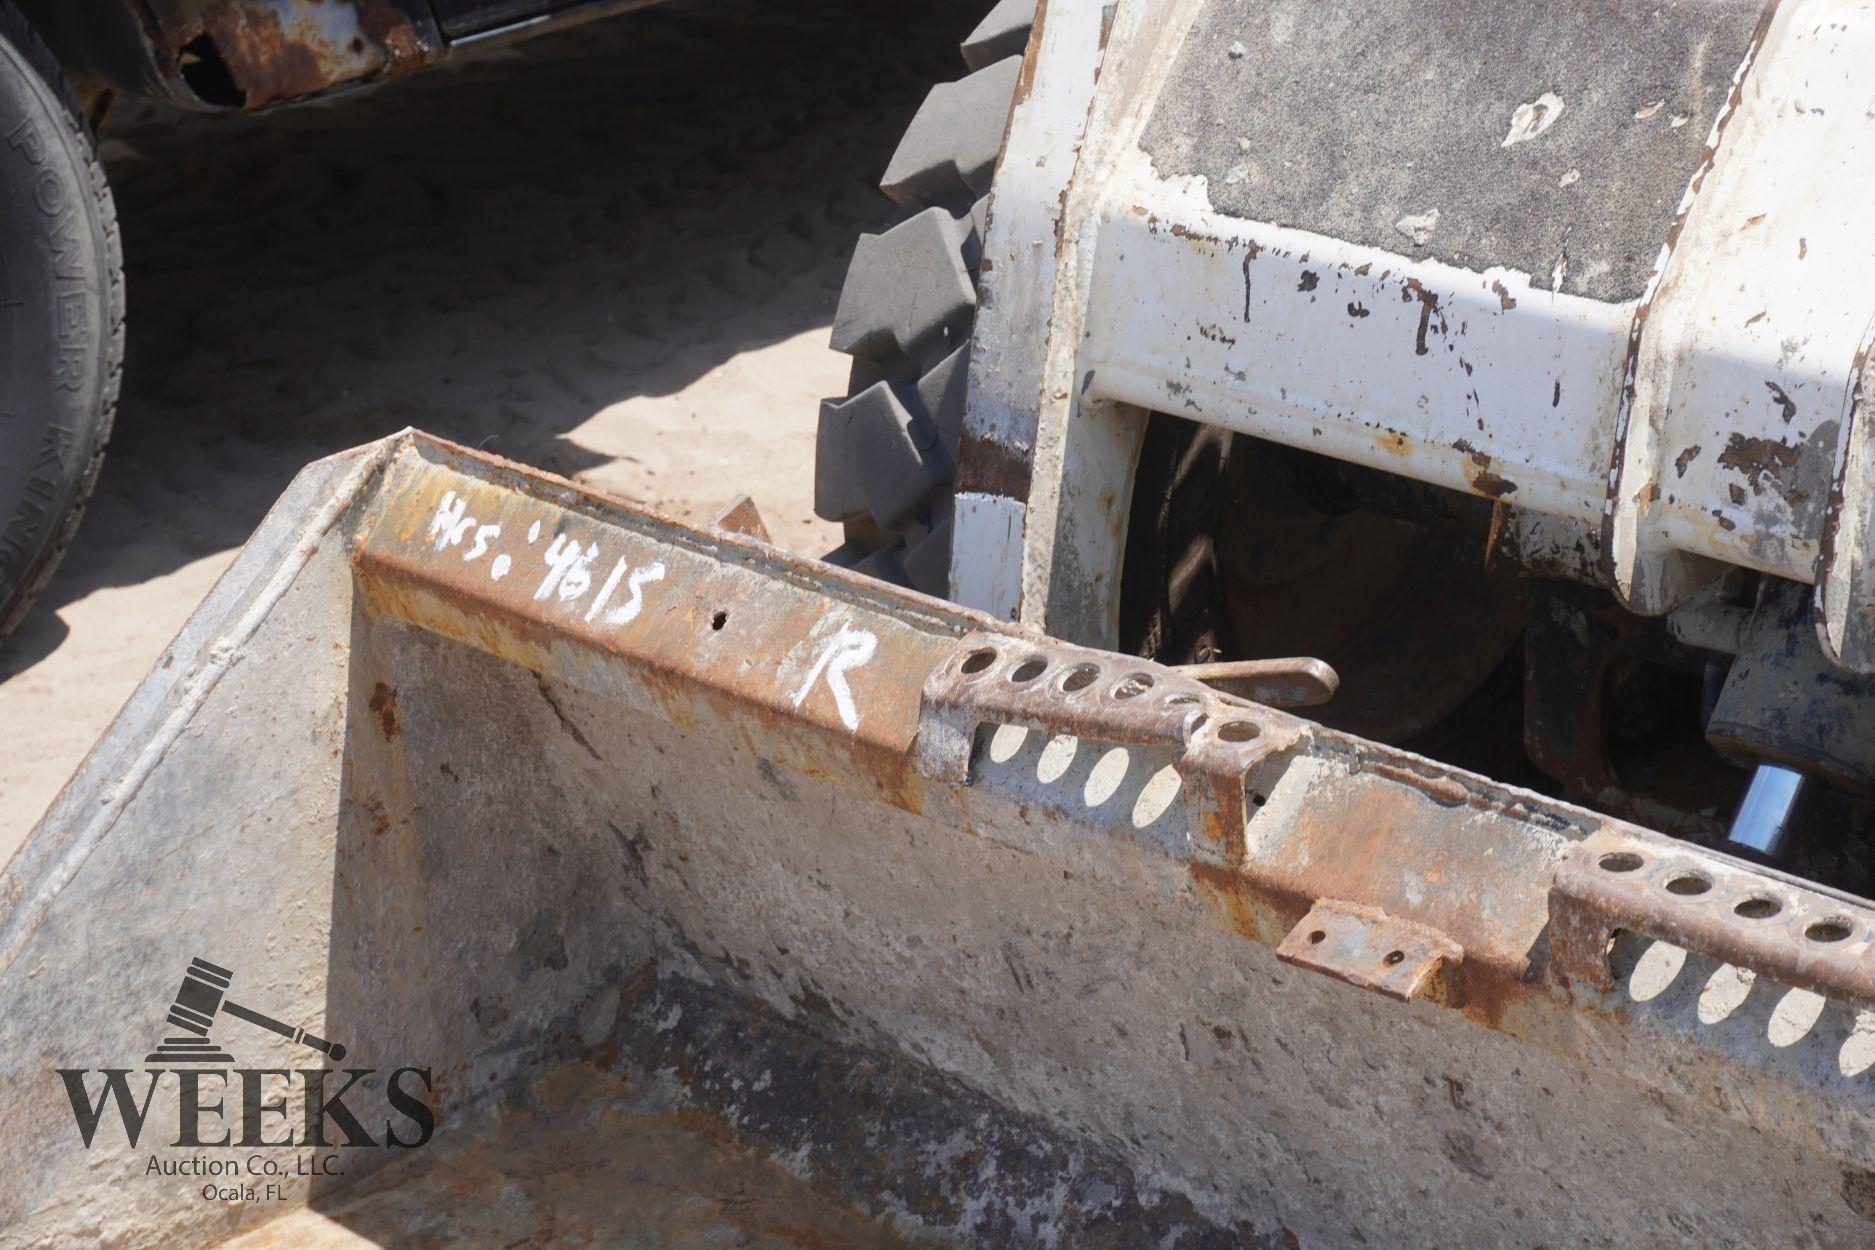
(524, 797)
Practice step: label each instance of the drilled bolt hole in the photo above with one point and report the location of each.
(1180, 699)
(1834, 929)
(977, 661)
(1317, 938)
(1080, 677)
(1619, 861)
(1029, 669)
(1689, 883)
(1757, 907)
(1238, 730)
(1133, 685)
(1393, 957)
(719, 620)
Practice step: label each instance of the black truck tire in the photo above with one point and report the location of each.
(886, 456)
(61, 315)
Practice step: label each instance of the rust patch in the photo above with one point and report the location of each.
(743, 517)
(1180, 231)
(1227, 894)
(1025, 76)
(1488, 483)
(1482, 478)
(1758, 458)
(389, 27)
(1428, 306)
(383, 704)
(1505, 300)
(266, 63)
(986, 466)
(1685, 458)
(1500, 513)
(275, 52)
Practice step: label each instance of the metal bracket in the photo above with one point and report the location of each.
(1365, 946)
(1626, 880)
(993, 679)
(741, 516)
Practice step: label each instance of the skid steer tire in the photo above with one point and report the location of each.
(886, 455)
(61, 315)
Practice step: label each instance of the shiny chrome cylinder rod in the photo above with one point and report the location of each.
(1767, 817)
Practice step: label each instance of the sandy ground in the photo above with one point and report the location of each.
(613, 251)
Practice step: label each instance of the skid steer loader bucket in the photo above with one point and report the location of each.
(476, 824)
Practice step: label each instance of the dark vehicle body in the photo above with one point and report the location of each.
(230, 55)
(62, 302)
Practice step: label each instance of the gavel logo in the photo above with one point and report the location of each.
(203, 994)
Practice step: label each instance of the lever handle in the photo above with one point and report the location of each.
(1294, 682)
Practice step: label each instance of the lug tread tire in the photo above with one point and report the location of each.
(911, 292)
(875, 458)
(927, 562)
(1003, 32)
(948, 154)
(887, 453)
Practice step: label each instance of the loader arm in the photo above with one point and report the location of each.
(1602, 266)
